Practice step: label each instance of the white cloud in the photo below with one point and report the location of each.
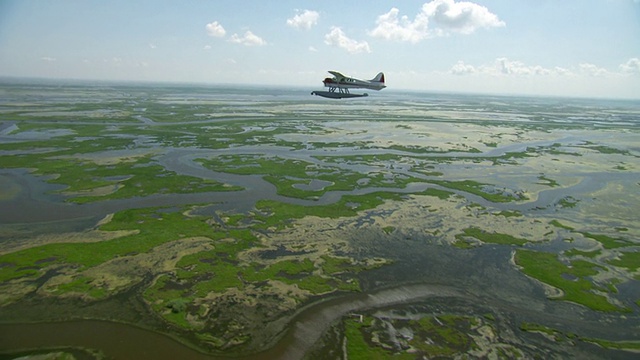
(561, 71)
(505, 67)
(336, 37)
(152, 46)
(436, 18)
(592, 70)
(389, 27)
(313, 49)
(48, 58)
(631, 66)
(214, 29)
(207, 47)
(248, 39)
(460, 68)
(305, 20)
(510, 67)
(463, 17)
(513, 68)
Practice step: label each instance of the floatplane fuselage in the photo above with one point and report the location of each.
(340, 84)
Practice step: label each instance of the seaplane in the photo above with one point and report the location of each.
(340, 84)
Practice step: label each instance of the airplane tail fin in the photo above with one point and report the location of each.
(379, 78)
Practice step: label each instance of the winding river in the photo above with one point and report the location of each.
(122, 341)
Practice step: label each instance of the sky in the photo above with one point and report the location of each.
(577, 48)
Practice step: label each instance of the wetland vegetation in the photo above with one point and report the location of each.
(223, 215)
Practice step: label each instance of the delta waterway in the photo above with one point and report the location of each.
(33, 200)
(575, 165)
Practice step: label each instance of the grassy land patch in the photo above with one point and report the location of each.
(449, 333)
(82, 285)
(533, 327)
(444, 335)
(576, 252)
(440, 194)
(493, 238)
(547, 181)
(572, 278)
(632, 345)
(199, 275)
(568, 202)
(66, 165)
(154, 226)
(486, 191)
(388, 229)
(280, 214)
(558, 224)
(609, 242)
(627, 260)
(603, 149)
(507, 213)
(357, 346)
(293, 178)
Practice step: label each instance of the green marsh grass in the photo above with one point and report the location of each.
(627, 260)
(490, 237)
(476, 188)
(281, 214)
(629, 345)
(609, 242)
(153, 228)
(547, 268)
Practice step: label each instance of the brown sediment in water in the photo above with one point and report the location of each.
(123, 341)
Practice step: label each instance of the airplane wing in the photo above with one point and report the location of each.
(337, 75)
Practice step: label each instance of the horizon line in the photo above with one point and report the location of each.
(35, 79)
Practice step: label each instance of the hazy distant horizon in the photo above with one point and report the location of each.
(573, 48)
(301, 88)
